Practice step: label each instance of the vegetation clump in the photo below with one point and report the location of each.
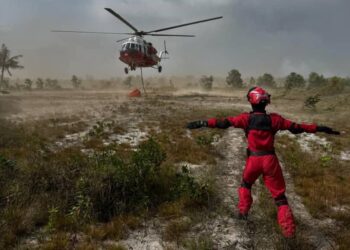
(311, 101)
(7, 63)
(294, 80)
(206, 82)
(321, 181)
(266, 80)
(65, 190)
(234, 79)
(316, 80)
(76, 82)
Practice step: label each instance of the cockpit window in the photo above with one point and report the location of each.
(132, 46)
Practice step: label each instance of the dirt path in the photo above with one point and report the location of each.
(225, 230)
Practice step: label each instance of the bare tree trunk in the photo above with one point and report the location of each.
(2, 76)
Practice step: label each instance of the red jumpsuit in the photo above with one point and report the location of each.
(260, 131)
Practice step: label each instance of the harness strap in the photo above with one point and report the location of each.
(246, 185)
(281, 200)
(258, 121)
(260, 153)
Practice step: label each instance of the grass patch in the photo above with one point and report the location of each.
(171, 210)
(116, 229)
(176, 229)
(322, 182)
(203, 242)
(61, 190)
(267, 225)
(65, 190)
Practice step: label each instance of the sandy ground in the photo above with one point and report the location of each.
(91, 106)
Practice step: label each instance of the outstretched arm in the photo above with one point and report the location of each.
(211, 123)
(197, 124)
(327, 130)
(239, 121)
(297, 128)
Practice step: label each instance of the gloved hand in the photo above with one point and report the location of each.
(327, 130)
(197, 124)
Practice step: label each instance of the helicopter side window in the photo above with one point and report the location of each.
(132, 46)
(128, 46)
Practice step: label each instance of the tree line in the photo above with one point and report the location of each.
(233, 79)
(293, 80)
(9, 63)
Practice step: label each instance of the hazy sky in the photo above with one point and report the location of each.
(255, 36)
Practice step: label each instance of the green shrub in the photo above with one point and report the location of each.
(234, 79)
(206, 82)
(65, 189)
(311, 101)
(266, 80)
(315, 80)
(294, 80)
(204, 139)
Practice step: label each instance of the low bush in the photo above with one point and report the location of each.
(322, 182)
(311, 101)
(65, 190)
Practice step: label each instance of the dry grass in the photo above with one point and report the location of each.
(57, 242)
(171, 210)
(176, 229)
(266, 224)
(203, 242)
(182, 145)
(53, 177)
(323, 187)
(117, 229)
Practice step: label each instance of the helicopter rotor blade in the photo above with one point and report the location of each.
(120, 40)
(185, 24)
(90, 32)
(121, 19)
(147, 34)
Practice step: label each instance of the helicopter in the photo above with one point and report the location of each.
(135, 51)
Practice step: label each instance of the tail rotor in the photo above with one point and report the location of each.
(164, 52)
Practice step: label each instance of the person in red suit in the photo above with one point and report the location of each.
(260, 128)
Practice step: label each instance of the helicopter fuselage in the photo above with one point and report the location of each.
(136, 52)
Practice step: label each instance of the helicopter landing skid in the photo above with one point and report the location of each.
(159, 68)
(131, 68)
